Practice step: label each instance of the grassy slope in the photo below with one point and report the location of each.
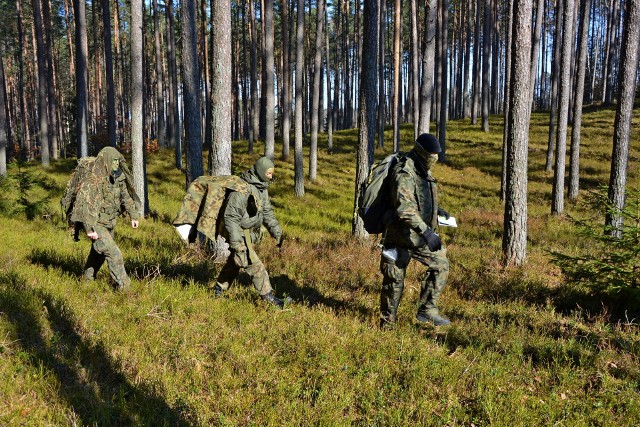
(524, 349)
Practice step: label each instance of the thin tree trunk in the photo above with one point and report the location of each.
(43, 115)
(162, 128)
(298, 161)
(514, 242)
(415, 72)
(536, 46)
(627, 81)
(270, 123)
(397, 78)
(192, 117)
(69, 28)
(329, 105)
(137, 142)
(220, 153)
(476, 64)
(555, 72)
(367, 111)
(607, 90)
(254, 129)
(486, 52)
(111, 100)
(286, 77)
(4, 142)
(82, 107)
(507, 86)
(381, 79)
(174, 115)
(51, 95)
(317, 77)
(574, 154)
(557, 198)
(444, 84)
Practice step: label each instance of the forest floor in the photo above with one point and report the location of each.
(526, 347)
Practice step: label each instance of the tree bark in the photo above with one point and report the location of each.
(160, 97)
(298, 161)
(367, 111)
(507, 86)
(415, 72)
(270, 123)
(82, 107)
(137, 142)
(555, 72)
(254, 129)
(51, 83)
(627, 81)
(476, 65)
(444, 84)
(220, 153)
(574, 154)
(486, 53)
(514, 242)
(286, 77)
(397, 78)
(43, 114)
(3, 121)
(557, 198)
(108, 56)
(428, 59)
(381, 79)
(315, 99)
(191, 78)
(536, 46)
(175, 136)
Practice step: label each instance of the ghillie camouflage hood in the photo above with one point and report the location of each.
(88, 189)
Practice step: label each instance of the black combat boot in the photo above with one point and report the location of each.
(217, 291)
(435, 318)
(272, 299)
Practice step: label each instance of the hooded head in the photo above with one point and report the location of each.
(111, 160)
(264, 168)
(426, 149)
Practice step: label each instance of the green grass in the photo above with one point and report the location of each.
(525, 348)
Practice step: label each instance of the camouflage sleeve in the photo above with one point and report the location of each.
(403, 191)
(270, 220)
(233, 214)
(129, 204)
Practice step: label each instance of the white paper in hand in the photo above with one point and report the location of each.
(183, 230)
(451, 222)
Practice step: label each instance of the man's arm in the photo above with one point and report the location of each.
(233, 214)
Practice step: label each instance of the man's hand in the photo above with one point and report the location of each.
(134, 223)
(443, 213)
(93, 235)
(433, 240)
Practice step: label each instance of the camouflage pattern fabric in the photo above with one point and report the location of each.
(98, 198)
(254, 268)
(432, 283)
(415, 198)
(105, 249)
(203, 202)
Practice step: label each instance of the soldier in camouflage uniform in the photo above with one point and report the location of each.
(412, 234)
(244, 214)
(105, 191)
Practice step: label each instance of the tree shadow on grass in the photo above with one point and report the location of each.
(91, 383)
(311, 296)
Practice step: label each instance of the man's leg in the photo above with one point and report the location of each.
(227, 275)
(93, 264)
(432, 285)
(393, 272)
(106, 246)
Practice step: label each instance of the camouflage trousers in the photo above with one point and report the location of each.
(431, 285)
(252, 265)
(105, 249)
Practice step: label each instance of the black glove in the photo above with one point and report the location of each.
(433, 240)
(443, 213)
(280, 241)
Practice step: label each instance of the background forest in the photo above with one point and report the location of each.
(531, 100)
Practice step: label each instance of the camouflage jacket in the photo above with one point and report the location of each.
(206, 198)
(415, 200)
(98, 198)
(249, 211)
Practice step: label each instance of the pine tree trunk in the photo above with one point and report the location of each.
(137, 142)
(51, 95)
(161, 122)
(367, 111)
(415, 72)
(254, 129)
(397, 77)
(108, 57)
(507, 86)
(476, 65)
(298, 161)
(175, 136)
(270, 124)
(286, 77)
(43, 115)
(514, 242)
(486, 52)
(574, 154)
(82, 107)
(315, 107)
(328, 94)
(627, 81)
(557, 198)
(444, 84)
(3, 121)
(555, 73)
(220, 153)
(191, 83)
(381, 79)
